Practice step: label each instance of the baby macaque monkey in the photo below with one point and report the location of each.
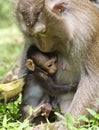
(44, 67)
(41, 70)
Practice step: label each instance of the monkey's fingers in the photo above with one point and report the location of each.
(43, 110)
(46, 109)
(41, 75)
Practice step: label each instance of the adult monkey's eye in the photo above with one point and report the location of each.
(42, 33)
(60, 7)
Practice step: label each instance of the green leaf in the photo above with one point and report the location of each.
(4, 121)
(60, 116)
(93, 113)
(84, 118)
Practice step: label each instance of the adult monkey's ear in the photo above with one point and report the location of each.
(30, 64)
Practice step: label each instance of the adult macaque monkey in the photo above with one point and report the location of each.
(71, 29)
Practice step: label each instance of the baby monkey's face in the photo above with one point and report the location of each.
(50, 65)
(43, 62)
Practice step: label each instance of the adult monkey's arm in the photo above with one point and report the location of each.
(19, 68)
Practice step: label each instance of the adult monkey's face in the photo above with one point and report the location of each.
(49, 29)
(49, 23)
(42, 21)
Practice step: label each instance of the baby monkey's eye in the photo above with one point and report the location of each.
(49, 65)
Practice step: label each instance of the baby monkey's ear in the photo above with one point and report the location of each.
(30, 64)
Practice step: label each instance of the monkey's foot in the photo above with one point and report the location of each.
(44, 110)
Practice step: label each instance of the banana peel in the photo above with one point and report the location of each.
(11, 89)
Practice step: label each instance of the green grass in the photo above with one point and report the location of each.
(6, 13)
(10, 37)
(11, 43)
(10, 47)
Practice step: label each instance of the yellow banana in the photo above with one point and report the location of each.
(11, 89)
